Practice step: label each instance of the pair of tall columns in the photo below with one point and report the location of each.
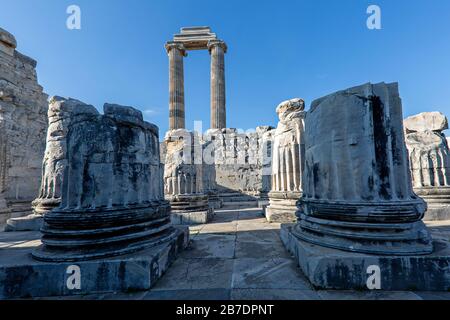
(176, 52)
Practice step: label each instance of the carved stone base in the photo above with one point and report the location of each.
(282, 206)
(190, 209)
(328, 268)
(97, 233)
(411, 238)
(192, 217)
(23, 277)
(32, 222)
(438, 202)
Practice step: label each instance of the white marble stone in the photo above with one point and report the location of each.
(23, 124)
(429, 161)
(288, 161)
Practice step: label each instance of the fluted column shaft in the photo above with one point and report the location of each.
(217, 50)
(176, 53)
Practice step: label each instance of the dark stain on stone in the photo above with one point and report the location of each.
(381, 146)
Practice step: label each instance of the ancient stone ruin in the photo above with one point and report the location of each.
(23, 124)
(429, 160)
(61, 113)
(288, 162)
(112, 199)
(183, 178)
(358, 203)
(346, 178)
(196, 38)
(233, 169)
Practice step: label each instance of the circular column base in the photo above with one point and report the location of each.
(76, 235)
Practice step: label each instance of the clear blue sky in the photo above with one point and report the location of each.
(277, 50)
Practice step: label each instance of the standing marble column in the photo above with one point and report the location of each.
(176, 52)
(287, 162)
(429, 160)
(217, 50)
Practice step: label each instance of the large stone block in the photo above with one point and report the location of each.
(328, 268)
(23, 277)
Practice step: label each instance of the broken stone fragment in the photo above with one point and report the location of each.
(7, 38)
(432, 121)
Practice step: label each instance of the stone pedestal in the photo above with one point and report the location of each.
(21, 276)
(333, 269)
(111, 194)
(429, 160)
(183, 178)
(287, 162)
(357, 194)
(282, 206)
(188, 209)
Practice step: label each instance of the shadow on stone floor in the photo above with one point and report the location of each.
(240, 256)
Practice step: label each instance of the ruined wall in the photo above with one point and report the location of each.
(241, 160)
(235, 162)
(23, 124)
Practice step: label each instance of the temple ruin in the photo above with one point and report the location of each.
(429, 160)
(23, 125)
(350, 180)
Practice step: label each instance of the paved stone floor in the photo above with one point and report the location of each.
(240, 256)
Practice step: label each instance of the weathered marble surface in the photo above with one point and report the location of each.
(241, 160)
(429, 160)
(23, 124)
(183, 178)
(61, 114)
(112, 199)
(287, 161)
(23, 277)
(235, 167)
(357, 192)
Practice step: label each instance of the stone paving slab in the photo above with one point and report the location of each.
(208, 245)
(239, 256)
(273, 294)
(260, 248)
(193, 294)
(367, 295)
(210, 273)
(263, 273)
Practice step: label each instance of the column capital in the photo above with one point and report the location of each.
(220, 43)
(176, 45)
